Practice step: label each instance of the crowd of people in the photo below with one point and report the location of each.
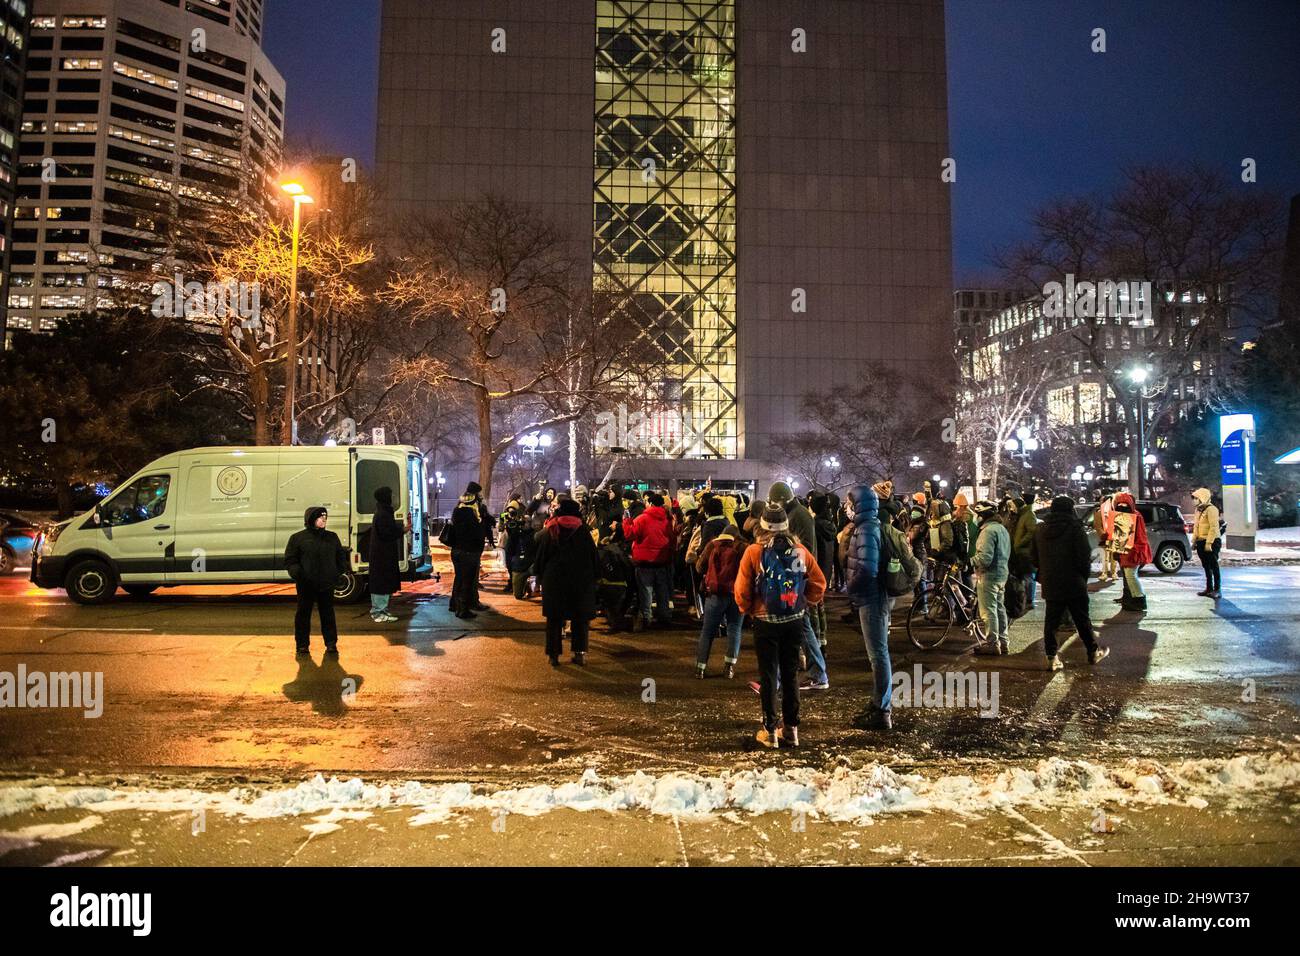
(638, 556)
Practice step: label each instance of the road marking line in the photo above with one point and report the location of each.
(133, 630)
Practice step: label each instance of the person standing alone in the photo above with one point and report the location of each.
(1063, 556)
(566, 566)
(315, 559)
(385, 554)
(1207, 541)
(470, 528)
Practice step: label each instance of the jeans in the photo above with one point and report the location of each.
(464, 587)
(1210, 562)
(777, 647)
(1132, 584)
(379, 604)
(1077, 607)
(874, 618)
(993, 606)
(812, 649)
(324, 601)
(579, 631)
(1031, 582)
(720, 608)
(655, 583)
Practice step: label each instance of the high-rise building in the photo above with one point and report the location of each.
(15, 15)
(138, 116)
(764, 178)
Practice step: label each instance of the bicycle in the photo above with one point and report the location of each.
(936, 608)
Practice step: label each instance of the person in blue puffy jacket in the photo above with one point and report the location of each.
(867, 591)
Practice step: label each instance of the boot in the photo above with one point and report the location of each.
(790, 736)
(768, 738)
(1097, 653)
(1054, 663)
(555, 659)
(580, 658)
(1135, 604)
(699, 671)
(729, 672)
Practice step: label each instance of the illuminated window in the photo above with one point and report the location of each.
(80, 63)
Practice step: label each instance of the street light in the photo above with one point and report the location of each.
(1138, 375)
(916, 462)
(289, 430)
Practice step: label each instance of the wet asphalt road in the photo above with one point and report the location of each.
(206, 680)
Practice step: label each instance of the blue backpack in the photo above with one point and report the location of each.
(782, 578)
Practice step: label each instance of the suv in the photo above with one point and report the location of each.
(1167, 530)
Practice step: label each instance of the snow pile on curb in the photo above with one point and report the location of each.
(841, 795)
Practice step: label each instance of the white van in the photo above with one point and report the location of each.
(224, 516)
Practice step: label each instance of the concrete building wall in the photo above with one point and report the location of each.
(840, 150)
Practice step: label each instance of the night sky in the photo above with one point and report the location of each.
(1033, 113)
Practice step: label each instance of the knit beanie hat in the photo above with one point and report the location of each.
(774, 518)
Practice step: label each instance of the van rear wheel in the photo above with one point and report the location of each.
(91, 582)
(351, 588)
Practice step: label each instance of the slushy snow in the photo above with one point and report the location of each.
(841, 795)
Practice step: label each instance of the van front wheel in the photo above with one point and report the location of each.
(91, 582)
(351, 588)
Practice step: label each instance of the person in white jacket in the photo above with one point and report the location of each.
(1206, 541)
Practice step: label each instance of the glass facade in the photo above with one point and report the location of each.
(665, 202)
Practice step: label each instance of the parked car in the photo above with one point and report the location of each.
(1167, 529)
(17, 535)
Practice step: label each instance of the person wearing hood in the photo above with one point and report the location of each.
(1129, 541)
(653, 548)
(468, 520)
(1206, 540)
(804, 529)
(992, 557)
(517, 537)
(1063, 556)
(863, 574)
(315, 559)
(717, 566)
(567, 567)
(386, 537)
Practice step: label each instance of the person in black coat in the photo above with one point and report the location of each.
(1063, 556)
(315, 559)
(567, 567)
(386, 537)
(467, 538)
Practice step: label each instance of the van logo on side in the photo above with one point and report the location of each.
(231, 480)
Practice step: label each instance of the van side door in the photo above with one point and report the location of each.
(136, 526)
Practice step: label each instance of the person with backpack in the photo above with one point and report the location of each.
(1063, 556)
(1132, 549)
(776, 580)
(717, 566)
(566, 566)
(653, 549)
(315, 559)
(869, 557)
(991, 563)
(1207, 541)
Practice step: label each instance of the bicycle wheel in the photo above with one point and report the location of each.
(929, 619)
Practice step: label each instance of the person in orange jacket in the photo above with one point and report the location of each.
(777, 580)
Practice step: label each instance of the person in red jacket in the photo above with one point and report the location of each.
(1129, 541)
(651, 534)
(717, 565)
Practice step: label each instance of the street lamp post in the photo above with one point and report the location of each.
(1138, 375)
(289, 429)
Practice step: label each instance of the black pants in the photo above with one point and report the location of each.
(555, 631)
(778, 646)
(464, 587)
(1210, 562)
(307, 596)
(1077, 607)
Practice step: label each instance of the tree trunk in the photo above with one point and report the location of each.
(260, 398)
(993, 473)
(63, 492)
(486, 456)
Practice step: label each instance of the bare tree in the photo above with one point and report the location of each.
(1004, 388)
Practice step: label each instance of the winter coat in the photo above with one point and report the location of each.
(862, 560)
(941, 537)
(386, 536)
(825, 524)
(1063, 556)
(1132, 543)
(517, 538)
(719, 562)
(467, 520)
(651, 535)
(567, 566)
(1022, 541)
(962, 540)
(751, 563)
(802, 525)
(993, 551)
(1206, 527)
(314, 557)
